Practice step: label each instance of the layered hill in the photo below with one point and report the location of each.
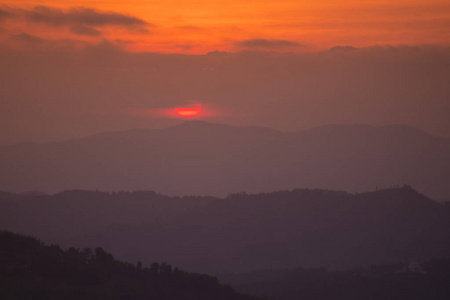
(308, 228)
(198, 158)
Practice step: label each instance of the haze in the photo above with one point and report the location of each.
(296, 149)
(75, 69)
(63, 93)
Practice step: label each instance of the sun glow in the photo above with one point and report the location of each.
(189, 112)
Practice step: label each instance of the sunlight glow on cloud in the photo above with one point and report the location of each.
(199, 27)
(186, 111)
(190, 111)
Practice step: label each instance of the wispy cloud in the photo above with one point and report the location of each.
(190, 28)
(27, 38)
(342, 48)
(80, 20)
(30, 42)
(5, 14)
(266, 43)
(85, 30)
(80, 16)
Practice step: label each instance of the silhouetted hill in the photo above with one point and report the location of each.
(303, 227)
(30, 269)
(199, 158)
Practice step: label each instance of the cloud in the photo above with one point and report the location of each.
(80, 20)
(26, 42)
(27, 39)
(264, 43)
(190, 28)
(85, 30)
(4, 14)
(122, 42)
(80, 16)
(184, 47)
(343, 48)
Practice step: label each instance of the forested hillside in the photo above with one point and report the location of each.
(30, 269)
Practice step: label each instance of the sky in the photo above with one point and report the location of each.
(200, 26)
(75, 68)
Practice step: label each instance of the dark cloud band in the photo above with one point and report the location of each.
(265, 43)
(80, 20)
(85, 30)
(5, 14)
(80, 16)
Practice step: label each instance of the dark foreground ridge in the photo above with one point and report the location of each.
(32, 270)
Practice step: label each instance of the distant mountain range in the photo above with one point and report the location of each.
(299, 228)
(198, 158)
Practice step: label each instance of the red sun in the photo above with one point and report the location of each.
(189, 112)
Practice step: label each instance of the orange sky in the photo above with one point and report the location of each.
(201, 26)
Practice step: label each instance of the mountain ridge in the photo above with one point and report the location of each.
(201, 158)
(242, 232)
(193, 124)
